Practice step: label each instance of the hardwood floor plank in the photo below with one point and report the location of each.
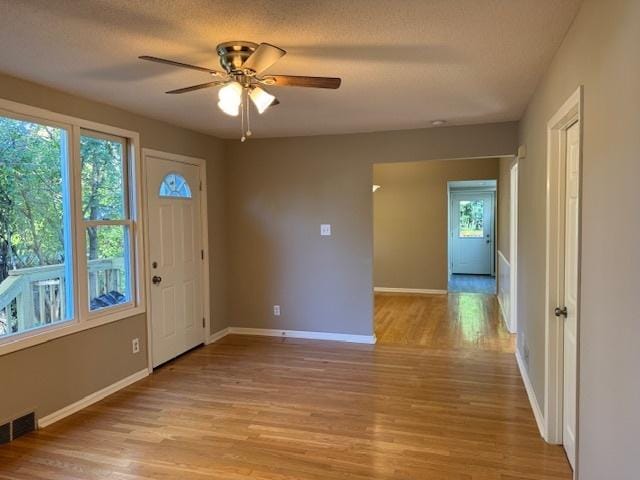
(440, 397)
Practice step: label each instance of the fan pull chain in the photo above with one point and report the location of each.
(243, 137)
(249, 132)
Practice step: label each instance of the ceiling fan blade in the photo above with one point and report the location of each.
(296, 81)
(179, 64)
(263, 57)
(196, 87)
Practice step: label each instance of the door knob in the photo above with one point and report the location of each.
(560, 311)
(156, 279)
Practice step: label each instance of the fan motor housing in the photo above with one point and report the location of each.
(233, 54)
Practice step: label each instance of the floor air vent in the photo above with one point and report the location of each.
(5, 433)
(17, 427)
(23, 425)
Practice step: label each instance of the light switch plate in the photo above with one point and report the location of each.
(325, 230)
(276, 310)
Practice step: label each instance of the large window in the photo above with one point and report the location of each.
(68, 248)
(36, 279)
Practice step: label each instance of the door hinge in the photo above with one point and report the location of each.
(203, 323)
(202, 254)
(200, 187)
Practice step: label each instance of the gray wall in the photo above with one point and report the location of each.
(601, 52)
(281, 190)
(54, 374)
(410, 224)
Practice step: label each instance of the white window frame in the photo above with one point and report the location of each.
(84, 224)
(83, 318)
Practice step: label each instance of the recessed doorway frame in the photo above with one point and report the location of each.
(204, 217)
(566, 116)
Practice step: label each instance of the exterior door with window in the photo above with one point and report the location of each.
(471, 233)
(175, 255)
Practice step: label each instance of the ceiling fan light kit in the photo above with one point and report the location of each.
(230, 98)
(242, 79)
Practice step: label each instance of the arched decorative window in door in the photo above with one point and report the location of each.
(175, 185)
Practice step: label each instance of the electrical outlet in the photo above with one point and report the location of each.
(276, 310)
(325, 230)
(135, 345)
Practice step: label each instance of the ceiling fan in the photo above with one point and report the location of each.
(243, 79)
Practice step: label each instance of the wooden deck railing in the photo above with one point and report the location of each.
(34, 297)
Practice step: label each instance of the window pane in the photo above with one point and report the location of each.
(175, 185)
(102, 178)
(35, 240)
(108, 265)
(471, 218)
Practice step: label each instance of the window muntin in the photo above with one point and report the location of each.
(175, 185)
(108, 228)
(36, 268)
(471, 219)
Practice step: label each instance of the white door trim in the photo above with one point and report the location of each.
(494, 240)
(513, 247)
(567, 115)
(205, 240)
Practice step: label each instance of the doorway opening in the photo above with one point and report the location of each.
(413, 298)
(471, 245)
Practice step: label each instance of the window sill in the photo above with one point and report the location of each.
(52, 332)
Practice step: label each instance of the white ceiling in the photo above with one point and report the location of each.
(403, 63)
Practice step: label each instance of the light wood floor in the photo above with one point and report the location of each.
(457, 320)
(267, 408)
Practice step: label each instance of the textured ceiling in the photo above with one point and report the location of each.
(403, 63)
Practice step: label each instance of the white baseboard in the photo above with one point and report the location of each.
(91, 399)
(268, 332)
(217, 336)
(336, 337)
(537, 411)
(409, 290)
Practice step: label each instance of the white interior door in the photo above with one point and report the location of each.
(572, 198)
(175, 256)
(471, 233)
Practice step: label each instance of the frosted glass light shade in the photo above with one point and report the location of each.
(261, 99)
(230, 98)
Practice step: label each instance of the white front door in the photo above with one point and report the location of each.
(572, 197)
(175, 256)
(471, 233)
